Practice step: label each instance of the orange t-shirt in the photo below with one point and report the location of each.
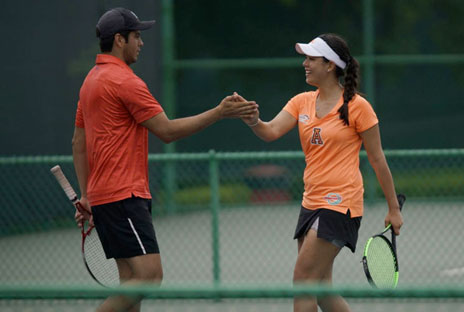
(113, 102)
(332, 177)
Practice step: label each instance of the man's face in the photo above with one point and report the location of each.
(132, 48)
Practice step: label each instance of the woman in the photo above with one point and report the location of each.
(333, 122)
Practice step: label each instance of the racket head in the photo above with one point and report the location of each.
(380, 262)
(104, 271)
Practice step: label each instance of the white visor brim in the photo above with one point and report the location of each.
(318, 48)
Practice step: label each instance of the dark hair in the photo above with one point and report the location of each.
(350, 74)
(106, 44)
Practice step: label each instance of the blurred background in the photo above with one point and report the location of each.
(414, 80)
(225, 203)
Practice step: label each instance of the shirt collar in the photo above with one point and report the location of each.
(108, 58)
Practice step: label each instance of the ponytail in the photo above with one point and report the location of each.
(351, 88)
(350, 74)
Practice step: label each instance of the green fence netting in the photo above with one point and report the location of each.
(217, 298)
(229, 218)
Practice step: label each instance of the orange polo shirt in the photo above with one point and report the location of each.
(332, 177)
(113, 102)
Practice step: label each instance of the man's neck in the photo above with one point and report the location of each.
(118, 54)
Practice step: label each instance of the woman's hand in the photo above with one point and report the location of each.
(252, 119)
(394, 218)
(234, 106)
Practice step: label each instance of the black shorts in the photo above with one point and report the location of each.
(335, 227)
(126, 228)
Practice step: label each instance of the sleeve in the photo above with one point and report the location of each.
(138, 100)
(293, 106)
(363, 115)
(79, 121)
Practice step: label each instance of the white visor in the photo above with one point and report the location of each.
(317, 48)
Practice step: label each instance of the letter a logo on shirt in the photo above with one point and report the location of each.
(316, 138)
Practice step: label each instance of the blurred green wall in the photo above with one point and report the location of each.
(48, 47)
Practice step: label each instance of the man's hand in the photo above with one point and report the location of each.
(251, 120)
(83, 213)
(234, 106)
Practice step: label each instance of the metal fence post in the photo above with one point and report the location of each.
(215, 205)
(168, 93)
(369, 78)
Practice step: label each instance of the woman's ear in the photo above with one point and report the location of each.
(331, 66)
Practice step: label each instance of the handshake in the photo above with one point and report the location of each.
(235, 106)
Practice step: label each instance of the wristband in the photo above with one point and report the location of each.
(257, 122)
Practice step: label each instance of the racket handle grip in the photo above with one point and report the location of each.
(401, 200)
(65, 185)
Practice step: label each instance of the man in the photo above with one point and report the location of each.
(110, 150)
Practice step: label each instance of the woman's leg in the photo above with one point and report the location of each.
(332, 303)
(313, 265)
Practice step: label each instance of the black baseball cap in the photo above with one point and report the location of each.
(120, 19)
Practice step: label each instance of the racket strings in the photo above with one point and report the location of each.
(381, 263)
(104, 270)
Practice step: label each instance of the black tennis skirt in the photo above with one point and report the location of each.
(333, 226)
(125, 228)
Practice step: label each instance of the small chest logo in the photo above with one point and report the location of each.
(303, 118)
(333, 198)
(316, 139)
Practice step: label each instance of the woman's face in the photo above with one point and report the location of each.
(316, 70)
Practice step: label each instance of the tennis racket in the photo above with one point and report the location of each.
(380, 260)
(103, 271)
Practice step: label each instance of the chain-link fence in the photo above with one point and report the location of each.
(230, 217)
(230, 299)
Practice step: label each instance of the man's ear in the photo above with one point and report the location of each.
(119, 40)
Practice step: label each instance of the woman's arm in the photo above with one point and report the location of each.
(269, 131)
(373, 146)
(274, 129)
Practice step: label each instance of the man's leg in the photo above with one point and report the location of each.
(140, 269)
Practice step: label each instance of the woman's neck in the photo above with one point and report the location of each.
(330, 90)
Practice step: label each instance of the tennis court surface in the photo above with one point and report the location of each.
(256, 248)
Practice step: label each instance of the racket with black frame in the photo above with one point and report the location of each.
(103, 271)
(380, 259)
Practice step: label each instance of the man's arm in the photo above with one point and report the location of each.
(171, 130)
(80, 159)
(81, 166)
